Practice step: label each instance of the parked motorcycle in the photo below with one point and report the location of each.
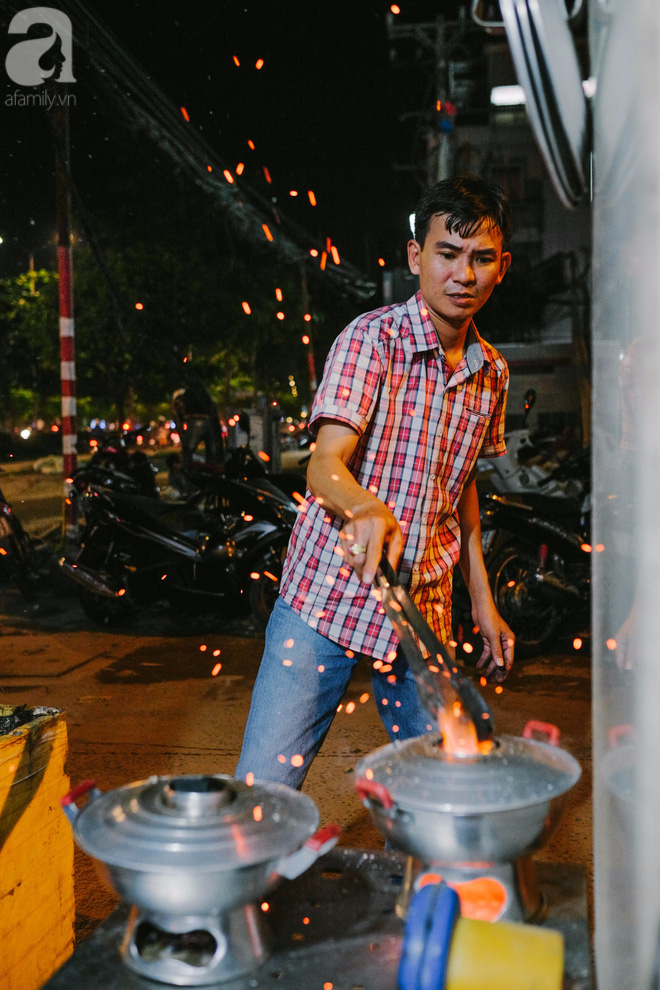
(20, 554)
(220, 551)
(530, 462)
(537, 551)
(113, 467)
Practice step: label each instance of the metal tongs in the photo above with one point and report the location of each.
(448, 683)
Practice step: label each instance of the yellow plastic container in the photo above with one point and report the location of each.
(502, 955)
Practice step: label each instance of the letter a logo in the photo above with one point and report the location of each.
(35, 60)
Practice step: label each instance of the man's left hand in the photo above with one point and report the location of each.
(499, 642)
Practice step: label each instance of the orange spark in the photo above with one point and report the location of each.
(307, 317)
(185, 114)
(265, 906)
(203, 647)
(281, 758)
(216, 670)
(610, 644)
(321, 668)
(246, 308)
(267, 175)
(255, 575)
(324, 260)
(209, 168)
(240, 168)
(381, 262)
(468, 647)
(335, 255)
(236, 61)
(364, 697)
(305, 339)
(350, 708)
(293, 192)
(312, 197)
(266, 230)
(251, 145)
(577, 643)
(249, 778)
(314, 253)
(259, 64)
(280, 315)
(499, 689)
(297, 760)
(228, 176)
(263, 455)
(139, 306)
(278, 294)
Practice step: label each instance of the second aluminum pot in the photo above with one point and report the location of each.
(492, 808)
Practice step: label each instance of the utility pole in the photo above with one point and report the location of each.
(438, 39)
(67, 342)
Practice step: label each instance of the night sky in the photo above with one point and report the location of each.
(323, 113)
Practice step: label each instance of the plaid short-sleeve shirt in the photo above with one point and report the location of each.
(420, 433)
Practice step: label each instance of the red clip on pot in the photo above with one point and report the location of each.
(436, 689)
(68, 802)
(372, 790)
(550, 730)
(317, 845)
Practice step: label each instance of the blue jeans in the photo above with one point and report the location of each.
(296, 694)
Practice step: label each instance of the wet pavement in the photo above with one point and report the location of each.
(143, 699)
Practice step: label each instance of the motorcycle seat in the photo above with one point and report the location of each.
(181, 516)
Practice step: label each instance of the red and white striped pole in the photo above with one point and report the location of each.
(67, 345)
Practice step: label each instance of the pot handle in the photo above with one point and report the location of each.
(372, 789)
(317, 845)
(534, 726)
(68, 802)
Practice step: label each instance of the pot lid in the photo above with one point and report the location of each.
(205, 822)
(516, 773)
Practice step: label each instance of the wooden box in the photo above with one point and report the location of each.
(37, 908)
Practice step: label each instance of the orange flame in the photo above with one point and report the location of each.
(458, 732)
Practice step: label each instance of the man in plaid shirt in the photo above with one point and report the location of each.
(411, 396)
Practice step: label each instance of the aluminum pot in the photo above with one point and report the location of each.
(486, 809)
(197, 845)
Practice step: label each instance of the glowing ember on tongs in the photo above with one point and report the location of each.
(444, 688)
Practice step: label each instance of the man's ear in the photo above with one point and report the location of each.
(505, 261)
(414, 251)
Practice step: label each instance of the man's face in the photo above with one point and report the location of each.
(456, 274)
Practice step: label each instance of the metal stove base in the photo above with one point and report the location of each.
(352, 938)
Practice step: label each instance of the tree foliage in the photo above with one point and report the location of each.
(129, 359)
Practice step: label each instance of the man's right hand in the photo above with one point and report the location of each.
(369, 524)
(367, 531)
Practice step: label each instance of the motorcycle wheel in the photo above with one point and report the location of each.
(263, 591)
(533, 621)
(100, 609)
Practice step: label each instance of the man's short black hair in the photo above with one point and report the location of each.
(468, 202)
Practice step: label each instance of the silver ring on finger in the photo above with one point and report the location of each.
(356, 549)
